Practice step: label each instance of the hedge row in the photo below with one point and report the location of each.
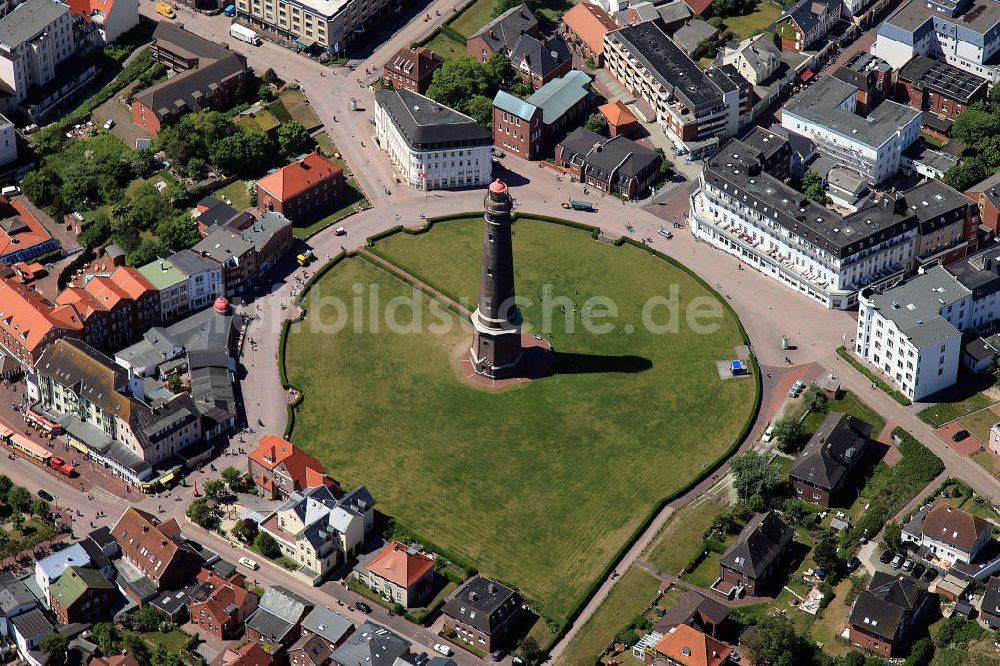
(413, 282)
(452, 34)
(878, 381)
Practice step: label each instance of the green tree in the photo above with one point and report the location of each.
(754, 475)
(19, 499)
(96, 231)
(825, 551)
(197, 168)
(136, 646)
(293, 138)
(975, 125)
(234, 478)
(480, 109)
(40, 188)
(598, 124)
(266, 544)
(17, 520)
(892, 535)
(244, 153)
(789, 433)
(178, 232)
(145, 252)
(461, 82)
(812, 187)
(54, 646)
(503, 6)
(815, 398)
(921, 653)
(214, 489)
(966, 173)
(40, 508)
(107, 637)
(777, 644)
(4, 537)
(245, 530)
(201, 514)
(5, 485)
(529, 650)
(150, 618)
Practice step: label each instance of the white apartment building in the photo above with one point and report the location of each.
(326, 25)
(432, 146)
(694, 107)
(968, 41)
(745, 211)
(203, 275)
(8, 141)
(34, 39)
(872, 146)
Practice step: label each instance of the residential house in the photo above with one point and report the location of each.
(237, 256)
(15, 598)
(411, 68)
(989, 611)
(584, 27)
(825, 465)
(309, 651)
(948, 222)
(279, 469)
(987, 198)
(528, 127)
(84, 595)
(618, 165)
(806, 22)
(187, 281)
(371, 644)
(772, 151)
(756, 58)
(207, 76)
(222, 605)
(249, 654)
(884, 616)
(754, 562)
(621, 121)
(156, 549)
(106, 413)
(211, 212)
(873, 77)
(687, 646)
(399, 573)
(276, 624)
(539, 61)
(432, 146)
(51, 567)
(29, 322)
(940, 88)
(949, 533)
(303, 190)
(271, 236)
(501, 34)
(694, 608)
(484, 613)
(115, 660)
(319, 531)
(110, 18)
(29, 629)
(22, 236)
(327, 625)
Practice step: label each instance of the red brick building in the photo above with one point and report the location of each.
(155, 549)
(278, 468)
(986, 194)
(938, 87)
(885, 615)
(539, 61)
(754, 562)
(584, 27)
(82, 594)
(302, 191)
(529, 127)
(827, 462)
(411, 69)
(501, 34)
(30, 322)
(621, 121)
(485, 614)
(221, 606)
(208, 76)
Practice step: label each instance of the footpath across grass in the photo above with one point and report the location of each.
(681, 538)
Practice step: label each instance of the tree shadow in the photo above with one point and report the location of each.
(569, 363)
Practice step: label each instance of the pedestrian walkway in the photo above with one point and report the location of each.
(423, 286)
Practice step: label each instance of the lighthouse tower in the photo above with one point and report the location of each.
(496, 340)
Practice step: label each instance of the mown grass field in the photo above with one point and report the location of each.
(542, 483)
(680, 539)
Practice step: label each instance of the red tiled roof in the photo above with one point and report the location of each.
(28, 317)
(617, 113)
(398, 565)
(144, 539)
(699, 6)
(688, 646)
(590, 23)
(952, 525)
(131, 282)
(305, 470)
(19, 229)
(295, 178)
(251, 654)
(115, 660)
(414, 64)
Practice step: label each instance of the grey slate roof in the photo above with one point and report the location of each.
(14, 594)
(833, 449)
(263, 230)
(936, 205)
(693, 605)
(371, 645)
(223, 245)
(806, 13)
(693, 33)
(427, 125)
(915, 306)
(192, 263)
(761, 542)
(991, 598)
(279, 611)
(887, 604)
(327, 623)
(483, 604)
(503, 32)
(28, 19)
(542, 57)
(32, 624)
(218, 212)
(621, 153)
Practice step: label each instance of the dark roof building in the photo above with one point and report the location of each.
(501, 34)
(989, 612)
(412, 68)
(484, 612)
(539, 61)
(371, 645)
(694, 608)
(824, 465)
(752, 561)
(923, 77)
(427, 125)
(276, 623)
(884, 615)
(614, 165)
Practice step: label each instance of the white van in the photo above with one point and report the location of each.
(10, 191)
(249, 564)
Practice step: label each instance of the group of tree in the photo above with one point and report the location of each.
(468, 85)
(812, 187)
(598, 124)
(112, 639)
(202, 513)
(789, 434)
(978, 127)
(725, 8)
(755, 475)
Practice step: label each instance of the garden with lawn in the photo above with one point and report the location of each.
(966, 397)
(543, 483)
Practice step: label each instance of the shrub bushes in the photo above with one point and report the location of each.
(863, 369)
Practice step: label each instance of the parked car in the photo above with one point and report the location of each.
(929, 575)
(852, 564)
(109, 123)
(46, 495)
(497, 655)
(918, 570)
(249, 564)
(666, 233)
(443, 649)
(799, 385)
(768, 435)
(896, 562)
(887, 556)
(960, 435)
(908, 565)
(363, 607)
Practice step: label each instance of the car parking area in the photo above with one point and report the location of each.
(966, 446)
(123, 128)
